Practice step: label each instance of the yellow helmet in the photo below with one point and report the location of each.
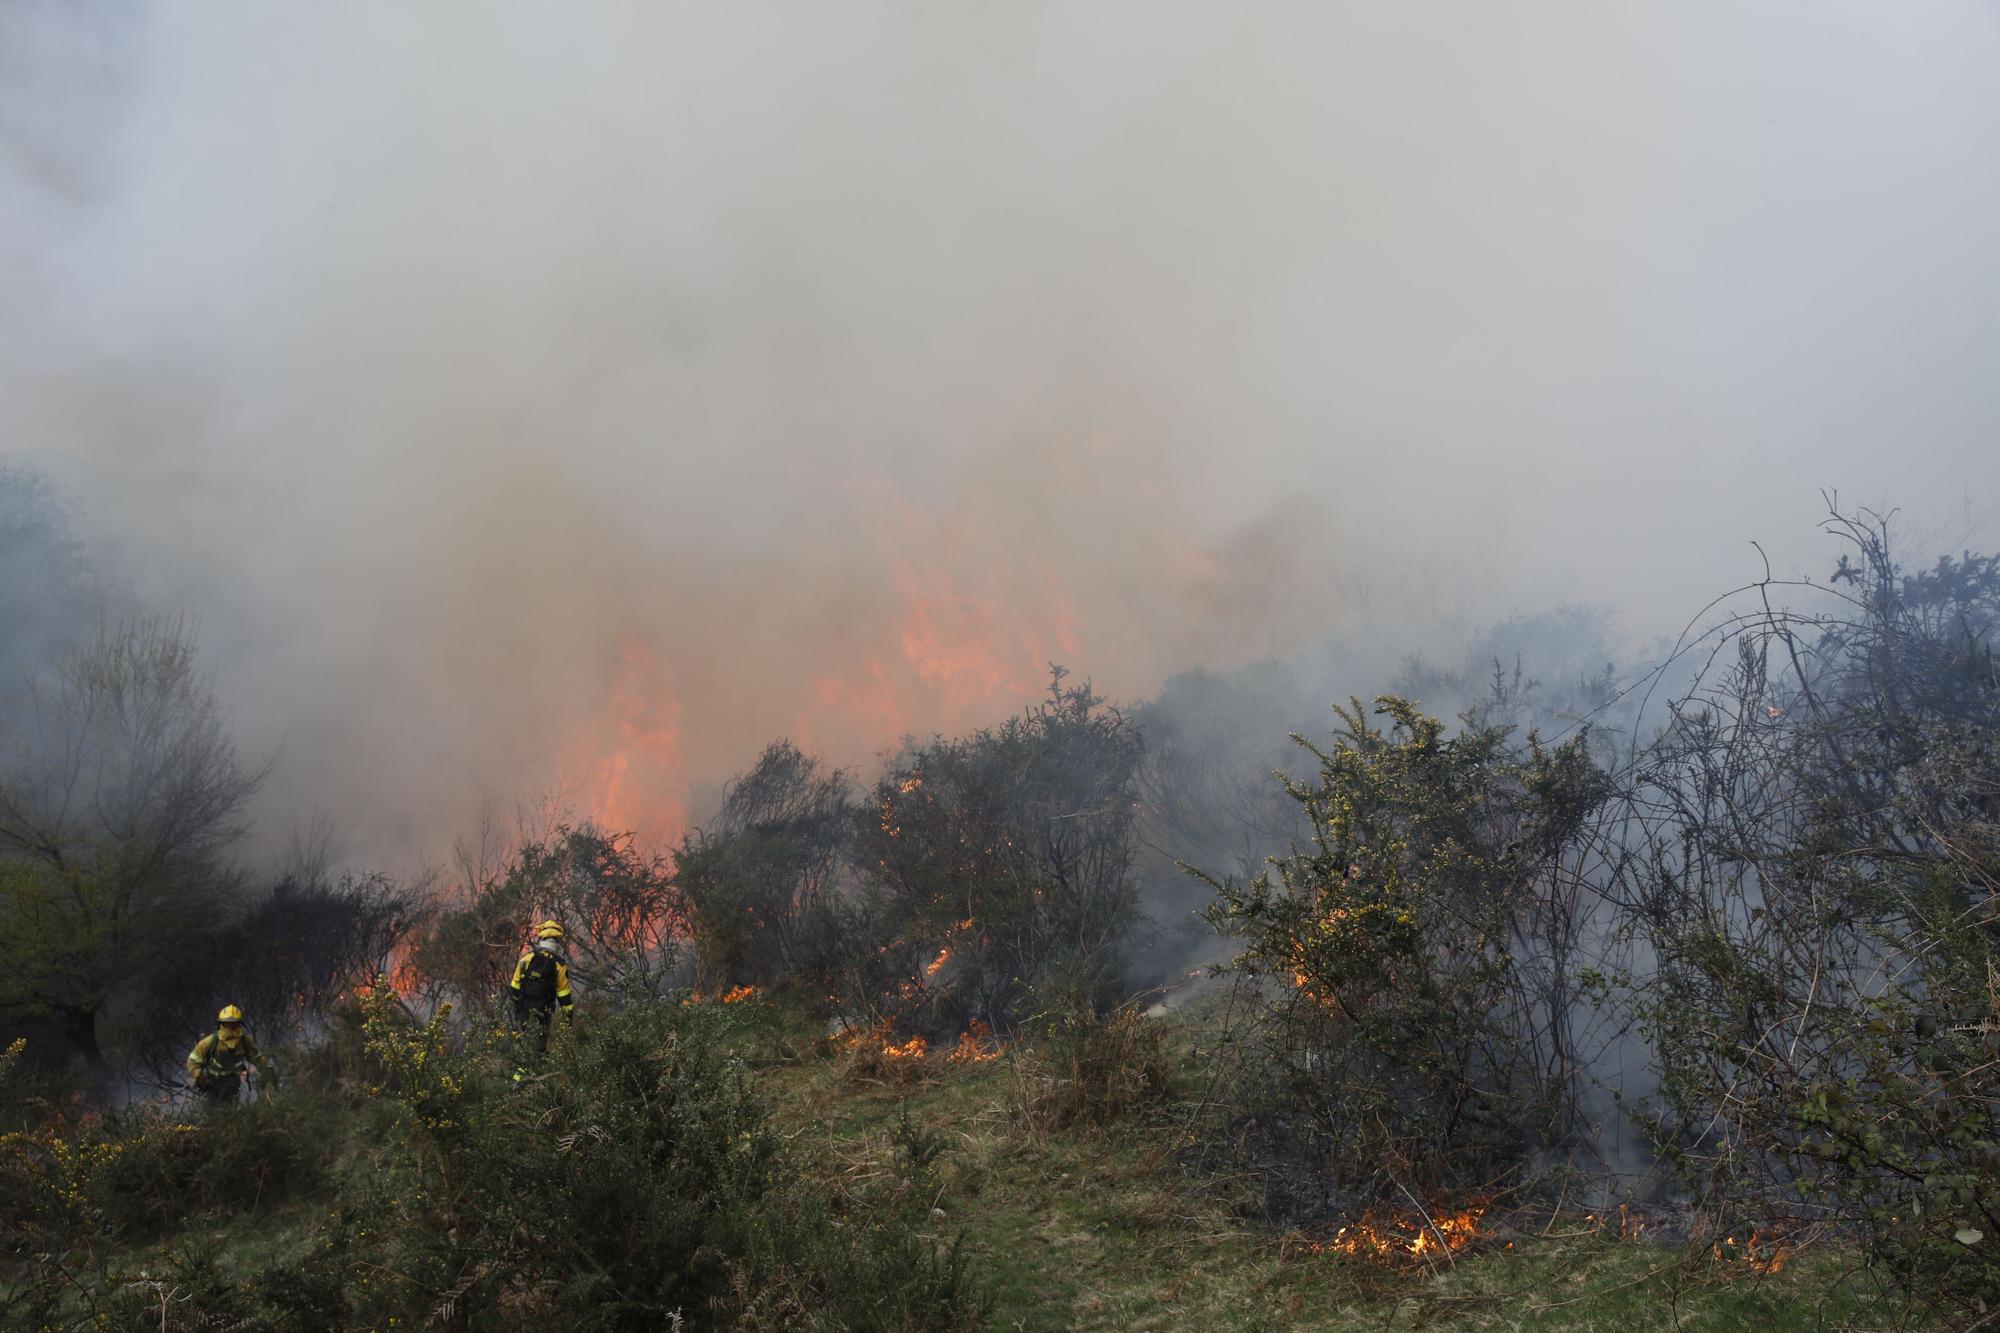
(230, 1014)
(549, 930)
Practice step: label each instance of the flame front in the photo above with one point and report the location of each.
(917, 638)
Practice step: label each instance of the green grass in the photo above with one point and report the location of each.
(1089, 1228)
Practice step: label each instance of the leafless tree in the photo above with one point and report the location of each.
(120, 795)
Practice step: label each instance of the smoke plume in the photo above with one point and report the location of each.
(520, 395)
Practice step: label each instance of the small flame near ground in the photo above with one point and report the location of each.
(1389, 1236)
(734, 995)
(1763, 1254)
(975, 1045)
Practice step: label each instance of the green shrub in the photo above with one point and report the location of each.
(231, 1159)
(1411, 957)
(631, 1177)
(1815, 870)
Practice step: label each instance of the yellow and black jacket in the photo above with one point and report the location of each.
(217, 1061)
(541, 982)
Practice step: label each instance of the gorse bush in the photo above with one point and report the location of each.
(763, 867)
(167, 1170)
(628, 1179)
(77, 1192)
(998, 863)
(1407, 1017)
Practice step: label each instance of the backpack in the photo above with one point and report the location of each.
(538, 981)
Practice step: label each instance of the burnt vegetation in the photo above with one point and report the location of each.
(1714, 940)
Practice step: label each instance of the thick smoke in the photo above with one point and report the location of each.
(523, 396)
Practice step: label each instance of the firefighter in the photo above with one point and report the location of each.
(216, 1065)
(541, 981)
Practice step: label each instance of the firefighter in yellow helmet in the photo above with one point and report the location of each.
(216, 1065)
(541, 980)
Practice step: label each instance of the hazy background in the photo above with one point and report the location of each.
(525, 394)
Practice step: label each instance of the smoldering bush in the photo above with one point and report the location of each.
(1001, 863)
(1092, 1068)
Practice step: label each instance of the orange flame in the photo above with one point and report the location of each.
(916, 1048)
(1760, 1254)
(405, 978)
(936, 964)
(976, 1045)
(1398, 1238)
(963, 646)
(632, 754)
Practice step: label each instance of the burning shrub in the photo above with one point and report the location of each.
(767, 861)
(1000, 862)
(1409, 1020)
